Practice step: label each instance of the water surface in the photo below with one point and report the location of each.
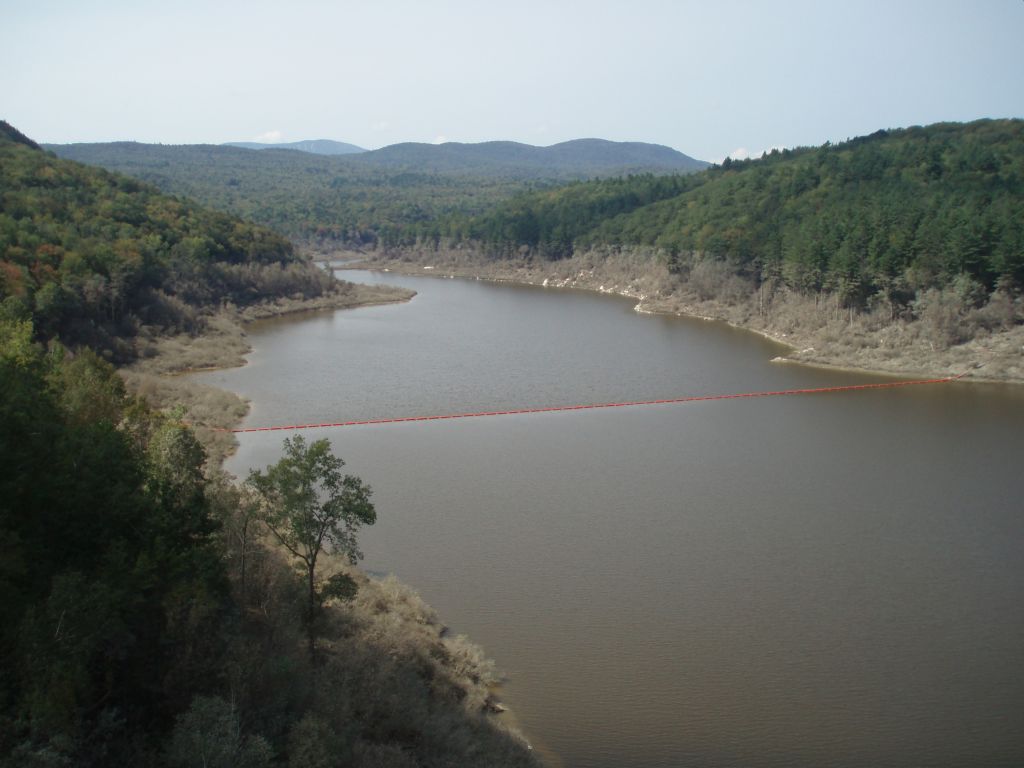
(822, 580)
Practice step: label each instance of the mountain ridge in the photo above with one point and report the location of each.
(310, 146)
(573, 156)
(877, 220)
(573, 159)
(356, 198)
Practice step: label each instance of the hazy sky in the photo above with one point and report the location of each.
(708, 78)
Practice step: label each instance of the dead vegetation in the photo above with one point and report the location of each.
(218, 340)
(389, 687)
(941, 333)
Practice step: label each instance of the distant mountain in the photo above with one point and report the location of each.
(581, 157)
(578, 158)
(507, 160)
(313, 146)
(372, 196)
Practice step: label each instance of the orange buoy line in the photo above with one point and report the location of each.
(552, 409)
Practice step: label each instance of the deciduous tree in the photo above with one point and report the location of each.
(309, 505)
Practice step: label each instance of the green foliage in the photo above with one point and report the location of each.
(11, 133)
(91, 256)
(340, 586)
(16, 346)
(307, 196)
(88, 389)
(313, 743)
(390, 197)
(310, 506)
(209, 736)
(112, 589)
(888, 214)
(548, 223)
(136, 630)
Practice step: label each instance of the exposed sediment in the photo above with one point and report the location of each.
(222, 343)
(814, 328)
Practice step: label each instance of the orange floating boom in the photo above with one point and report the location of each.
(551, 409)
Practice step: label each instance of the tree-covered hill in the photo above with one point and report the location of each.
(886, 214)
(145, 620)
(93, 256)
(580, 158)
(300, 195)
(313, 146)
(371, 197)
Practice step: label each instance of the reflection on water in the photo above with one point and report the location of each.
(828, 580)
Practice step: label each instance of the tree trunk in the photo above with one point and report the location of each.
(245, 543)
(312, 610)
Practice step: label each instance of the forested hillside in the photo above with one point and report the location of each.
(148, 616)
(300, 195)
(575, 159)
(373, 197)
(883, 215)
(93, 257)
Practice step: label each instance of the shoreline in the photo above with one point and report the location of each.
(211, 412)
(159, 375)
(892, 350)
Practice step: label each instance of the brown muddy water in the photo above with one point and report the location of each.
(819, 580)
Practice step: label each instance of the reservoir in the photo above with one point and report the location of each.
(815, 580)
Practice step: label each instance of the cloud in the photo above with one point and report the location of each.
(440, 139)
(270, 137)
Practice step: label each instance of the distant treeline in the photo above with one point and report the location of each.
(877, 218)
(91, 256)
(371, 197)
(886, 214)
(299, 195)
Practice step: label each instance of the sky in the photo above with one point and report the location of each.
(711, 79)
